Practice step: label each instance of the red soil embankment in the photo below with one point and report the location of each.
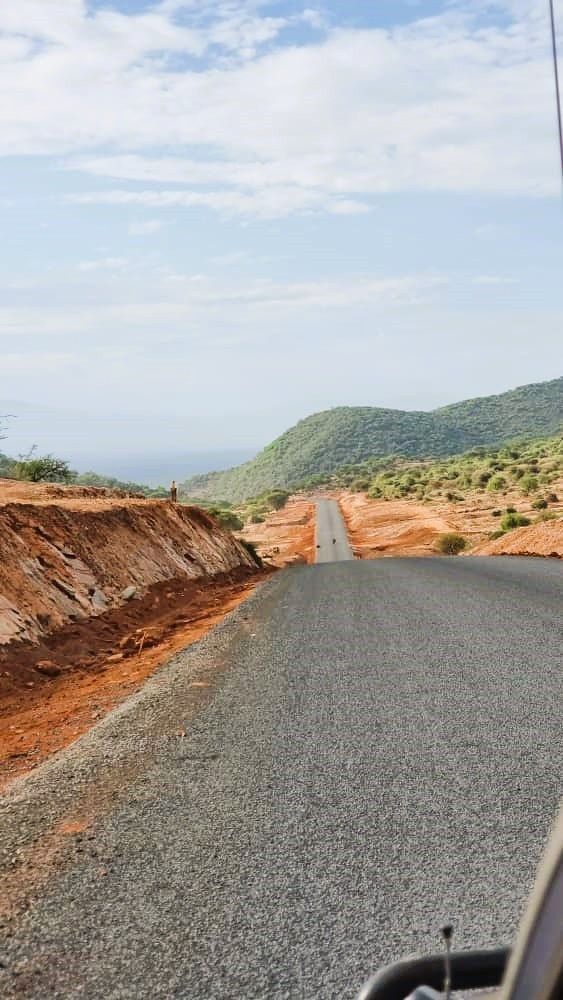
(543, 539)
(96, 590)
(286, 537)
(378, 528)
(61, 564)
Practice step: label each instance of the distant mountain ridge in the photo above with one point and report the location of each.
(348, 434)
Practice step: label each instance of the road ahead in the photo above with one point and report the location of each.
(379, 749)
(331, 535)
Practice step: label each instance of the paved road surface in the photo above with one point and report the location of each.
(331, 535)
(380, 749)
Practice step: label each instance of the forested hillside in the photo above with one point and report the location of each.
(346, 435)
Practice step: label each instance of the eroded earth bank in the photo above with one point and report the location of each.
(96, 590)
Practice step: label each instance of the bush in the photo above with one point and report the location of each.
(251, 549)
(227, 518)
(546, 515)
(514, 521)
(257, 519)
(375, 493)
(482, 478)
(496, 534)
(496, 483)
(528, 484)
(552, 498)
(277, 498)
(46, 469)
(539, 504)
(451, 543)
(511, 510)
(496, 513)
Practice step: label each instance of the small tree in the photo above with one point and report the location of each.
(528, 484)
(496, 483)
(45, 469)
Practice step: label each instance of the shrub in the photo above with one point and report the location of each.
(257, 519)
(227, 518)
(375, 492)
(277, 498)
(552, 498)
(511, 510)
(539, 504)
(496, 483)
(483, 477)
(46, 469)
(514, 521)
(496, 534)
(528, 484)
(546, 515)
(251, 549)
(496, 513)
(451, 543)
(452, 497)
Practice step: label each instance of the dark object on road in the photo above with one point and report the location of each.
(534, 971)
(173, 491)
(334, 541)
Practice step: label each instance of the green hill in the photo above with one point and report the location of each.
(325, 441)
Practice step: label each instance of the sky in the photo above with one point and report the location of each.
(219, 216)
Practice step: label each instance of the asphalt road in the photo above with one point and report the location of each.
(331, 535)
(379, 750)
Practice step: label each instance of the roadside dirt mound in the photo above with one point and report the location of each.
(379, 528)
(57, 690)
(286, 536)
(59, 564)
(14, 490)
(96, 591)
(543, 539)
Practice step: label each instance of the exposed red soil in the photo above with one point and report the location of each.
(97, 589)
(379, 528)
(69, 560)
(544, 539)
(101, 662)
(287, 536)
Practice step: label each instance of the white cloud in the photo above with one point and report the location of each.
(171, 300)
(493, 279)
(442, 104)
(104, 264)
(145, 228)
(265, 203)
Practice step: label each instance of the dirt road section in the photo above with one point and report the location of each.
(287, 536)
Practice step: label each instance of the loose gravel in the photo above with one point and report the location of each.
(379, 750)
